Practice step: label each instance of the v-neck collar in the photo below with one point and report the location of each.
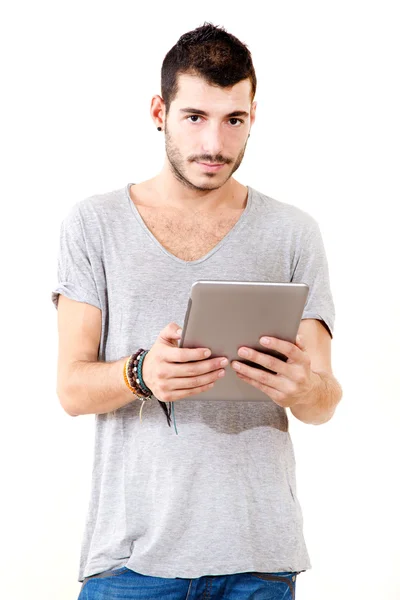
(238, 223)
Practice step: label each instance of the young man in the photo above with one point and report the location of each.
(211, 512)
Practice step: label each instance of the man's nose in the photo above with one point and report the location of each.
(212, 143)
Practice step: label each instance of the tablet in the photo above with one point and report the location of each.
(225, 315)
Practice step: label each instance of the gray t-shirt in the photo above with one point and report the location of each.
(219, 497)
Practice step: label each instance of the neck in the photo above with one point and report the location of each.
(167, 190)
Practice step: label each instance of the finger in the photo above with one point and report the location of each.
(185, 383)
(181, 355)
(194, 369)
(174, 395)
(290, 350)
(276, 395)
(263, 378)
(265, 360)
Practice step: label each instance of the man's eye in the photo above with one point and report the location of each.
(233, 121)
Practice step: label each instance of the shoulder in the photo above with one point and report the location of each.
(92, 211)
(282, 211)
(283, 214)
(99, 204)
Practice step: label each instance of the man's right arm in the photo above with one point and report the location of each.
(86, 385)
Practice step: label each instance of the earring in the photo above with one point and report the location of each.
(158, 128)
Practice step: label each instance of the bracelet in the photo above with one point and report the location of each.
(134, 373)
(139, 371)
(134, 390)
(133, 380)
(126, 378)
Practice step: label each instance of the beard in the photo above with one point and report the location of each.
(179, 165)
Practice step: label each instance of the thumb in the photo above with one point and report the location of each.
(170, 334)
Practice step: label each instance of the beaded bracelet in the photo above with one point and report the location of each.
(131, 368)
(142, 384)
(132, 382)
(134, 370)
(134, 390)
(134, 373)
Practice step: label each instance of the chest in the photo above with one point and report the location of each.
(188, 237)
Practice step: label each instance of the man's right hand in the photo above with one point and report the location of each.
(173, 373)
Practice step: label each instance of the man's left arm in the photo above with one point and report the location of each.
(305, 382)
(320, 403)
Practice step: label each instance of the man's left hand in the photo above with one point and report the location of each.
(294, 380)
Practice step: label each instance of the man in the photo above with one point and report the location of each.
(211, 512)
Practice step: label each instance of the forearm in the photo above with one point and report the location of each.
(95, 388)
(321, 402)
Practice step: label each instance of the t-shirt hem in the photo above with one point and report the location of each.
(326, 320)
(96, 568)
(80, 295)
(169, 571)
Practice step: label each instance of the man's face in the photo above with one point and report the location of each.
(204, 126)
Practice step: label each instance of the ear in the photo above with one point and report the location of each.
(253, 113)
(157, 111)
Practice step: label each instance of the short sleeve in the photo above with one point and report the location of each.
(76, 278)
(311, 268)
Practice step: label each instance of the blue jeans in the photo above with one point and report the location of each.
(125, 584)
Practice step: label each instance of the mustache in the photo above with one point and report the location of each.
(211, 159)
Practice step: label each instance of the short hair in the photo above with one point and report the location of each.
(209, 52)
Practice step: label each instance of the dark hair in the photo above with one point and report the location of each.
(209, 52)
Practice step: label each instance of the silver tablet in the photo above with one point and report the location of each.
(225, 315)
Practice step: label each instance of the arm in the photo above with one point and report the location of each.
(320, 403)
(85, 385)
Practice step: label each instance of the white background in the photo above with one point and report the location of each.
(77, 79)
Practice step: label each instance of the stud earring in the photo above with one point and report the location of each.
(158, 128)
